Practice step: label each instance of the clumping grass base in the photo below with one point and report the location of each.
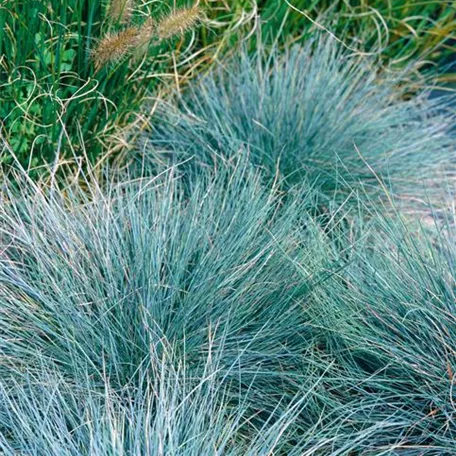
(152, 317)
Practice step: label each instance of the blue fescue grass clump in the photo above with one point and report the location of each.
(150, 317)
(98, 288)
(317, 113)
(404, 295)
(399, 343)
(94, 286)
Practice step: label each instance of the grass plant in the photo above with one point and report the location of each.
(315, 114)
(397, 32)
(51, 95)
(248, 286)
(64, 78)
(97, 288)
(140, 318)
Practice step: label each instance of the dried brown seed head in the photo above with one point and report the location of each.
(179, 22)
(120, 10)
(115, 46)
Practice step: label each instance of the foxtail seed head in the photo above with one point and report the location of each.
(120, 10)
(177, 23)
(135, 40)
(114, 47)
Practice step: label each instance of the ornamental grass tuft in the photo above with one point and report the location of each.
(316, 114)
(149, 317)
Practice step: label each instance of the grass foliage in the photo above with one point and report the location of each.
(397, 32)
(238, 290)
(175, 414)
(314, 114)
(53, 101)
(140, 318)
(102, 291)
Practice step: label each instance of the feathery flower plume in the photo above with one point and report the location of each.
(120, 10)
(135, 40)
(178, 22)
(115, 46)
